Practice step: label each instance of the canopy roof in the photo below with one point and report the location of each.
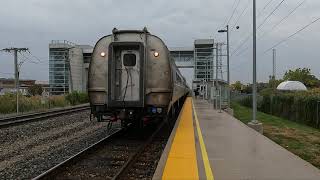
(292, 86)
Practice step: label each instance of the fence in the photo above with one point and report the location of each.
(296, 107)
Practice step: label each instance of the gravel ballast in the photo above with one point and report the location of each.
(29, 149)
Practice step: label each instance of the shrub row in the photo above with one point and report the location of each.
(296, 106)
(75, 98)
(36, 103)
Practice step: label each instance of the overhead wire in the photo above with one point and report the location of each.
(282, 20)
(234, 10)
(261, 24)
(260, 13)
(38, 59)
(265, 20)
(226, 20)
(25, 58)
(276, 25)
(264, 7)
(292, 35)
(241, 14)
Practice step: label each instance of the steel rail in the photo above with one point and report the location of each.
(134, 156)
(91, 147)
(15, 120)
(55, 170)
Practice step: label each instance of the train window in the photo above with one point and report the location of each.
(129, 59)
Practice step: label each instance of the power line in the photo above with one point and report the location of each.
(243, 51)
(225, 21)
(246, 39)
(241, 44)
(234, 10)
(292, 35)
(264, 21)
(27, 59)
(35, 56)
(261, 11)
(38, 60)
(16, 69)
(284, 18)
(242, 13)
(286, 39)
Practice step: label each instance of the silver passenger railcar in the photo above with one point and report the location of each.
(132, 78)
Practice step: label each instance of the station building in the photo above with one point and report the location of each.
(68, 66)
(206, 59)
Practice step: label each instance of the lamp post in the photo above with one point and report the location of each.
(228, 65)
(254, 123)
(228, 59)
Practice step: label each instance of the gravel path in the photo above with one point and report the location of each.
(29, 149)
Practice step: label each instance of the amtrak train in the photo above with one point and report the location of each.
(132, 78)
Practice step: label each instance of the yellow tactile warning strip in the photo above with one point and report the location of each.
(204, 154)
(182, 159)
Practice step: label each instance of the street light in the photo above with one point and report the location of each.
(228, 58)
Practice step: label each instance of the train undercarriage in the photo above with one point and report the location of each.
(139, 117)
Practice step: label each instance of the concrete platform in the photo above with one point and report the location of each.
(225, 148)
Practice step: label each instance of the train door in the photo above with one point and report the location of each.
(130, 76)
(125, 75)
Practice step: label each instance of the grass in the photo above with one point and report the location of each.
(29, 104)
(37, 103)
(302, 140)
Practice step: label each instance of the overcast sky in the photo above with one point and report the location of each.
(34, 23)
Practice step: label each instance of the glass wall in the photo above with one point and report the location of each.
(204, 58)
(58, 71)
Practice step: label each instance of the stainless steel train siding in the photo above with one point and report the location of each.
(133, 70)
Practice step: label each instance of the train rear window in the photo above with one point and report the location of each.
(129, 59)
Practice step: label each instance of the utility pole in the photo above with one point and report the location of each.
(274, 64)
(228, 66)
(254, 83)
(16, 70)
(228, 61)
(216, 86)
(254, 123)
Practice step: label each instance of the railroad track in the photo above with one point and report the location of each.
(110, 158)
(15, 120)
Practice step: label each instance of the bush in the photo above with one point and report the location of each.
(58, 101)
(295, 106)
(75, 98)
(7, 103)
(34, 103)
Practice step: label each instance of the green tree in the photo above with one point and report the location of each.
(247, 89)
(303, 75)
(273, 83)
(35, 90)
(237, 86)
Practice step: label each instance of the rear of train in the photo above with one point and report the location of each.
(130, 77)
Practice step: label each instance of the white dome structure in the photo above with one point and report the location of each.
(292, 86)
